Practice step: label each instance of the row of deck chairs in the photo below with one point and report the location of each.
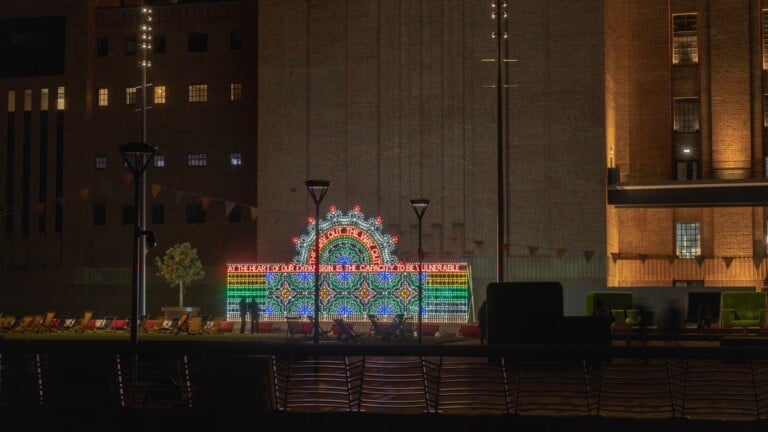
(55, 322)
(183, 324)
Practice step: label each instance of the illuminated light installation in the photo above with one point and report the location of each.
(359, 275)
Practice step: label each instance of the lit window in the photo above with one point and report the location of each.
(765, 40)
(60, 98)
(688, 240)
(235, 159)
(103, 97)
(130, 95)
(158, 161)
(686, 115)
(27, 100)
(159, 94)
(235, 91)
(685, 47)
(44, 99)
(197, 159)
(198, 93)
(101, 162)
(11, 100)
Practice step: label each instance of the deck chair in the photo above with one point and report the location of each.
(194, 325)
(47, 323)
(346, 333)
(388, 330)
(295, 326)
(213, 325)
(104, 324)
(182, 325)
(323, 332)
(29, 323)
(7, 322)
(82, 324)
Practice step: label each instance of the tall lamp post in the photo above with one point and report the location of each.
(419, 206)
(318, 189)
(137, 157)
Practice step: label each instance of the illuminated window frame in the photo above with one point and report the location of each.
(688, 240)
(101, 162)
(686, 112)
(235, 159)
(235, 91)
(159, 94)
(130, 95)
(198, 93)
(27, 100)
(765, 39)
(11, 101)
(197, 159)
(685, 44)
(158, 161)
(61, 98)
(44, 93)
(103, 97)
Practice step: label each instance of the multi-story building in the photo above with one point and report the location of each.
(631, 141)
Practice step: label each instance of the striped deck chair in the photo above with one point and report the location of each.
(83, 324)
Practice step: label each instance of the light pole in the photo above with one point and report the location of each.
(317, 188)
(137, 157)
(419, 206)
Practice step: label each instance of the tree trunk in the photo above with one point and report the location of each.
(181, 294)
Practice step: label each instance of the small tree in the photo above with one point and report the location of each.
(180, 266)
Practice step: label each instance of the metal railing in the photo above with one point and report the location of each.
(705, 383)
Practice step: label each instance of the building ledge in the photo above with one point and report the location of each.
(699, 193)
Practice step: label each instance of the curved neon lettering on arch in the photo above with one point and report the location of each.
(359, 275)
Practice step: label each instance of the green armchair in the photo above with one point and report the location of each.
(743, 309)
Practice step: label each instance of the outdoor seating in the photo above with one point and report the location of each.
(295, 326)
(387, 331)
(181, 325)
(84, 322)
(323, 332)
(7, 322)
(47, 323)
(346, 332)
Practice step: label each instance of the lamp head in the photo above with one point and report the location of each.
(318, 188)
(135, 151)
(419, 206)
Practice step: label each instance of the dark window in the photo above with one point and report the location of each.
(102, 47)
(197, 42)
(235, 40)
(130, 45)
(158, 214)
(235, 215)
(158, 44)
(129, 215)
(195, 213)
(99, 214)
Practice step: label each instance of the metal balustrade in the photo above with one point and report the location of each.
(723, 384)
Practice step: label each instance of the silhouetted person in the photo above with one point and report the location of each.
(673, 320)
(254, 310)
(703, 316)
(243, 313)
(482, 321)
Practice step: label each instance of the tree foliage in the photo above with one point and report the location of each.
(180, 266)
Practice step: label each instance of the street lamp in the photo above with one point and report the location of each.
(419, 206)
(137, 157)
(317, 188)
